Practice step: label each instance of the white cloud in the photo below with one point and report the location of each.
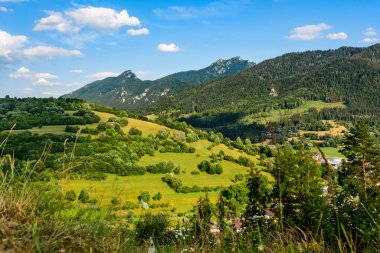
(55, 21)
(49, 51)
(22, 73)
(97, 18)
(12, 48)
(138, 32)
(337, 36)
(43, 82)
(76, 71)
(3, 9)
(102, 75)
(308, 32)
(170, 48)
(25, 73)
(9, 45)
(370, 32)
(42, 79)
(370, 40)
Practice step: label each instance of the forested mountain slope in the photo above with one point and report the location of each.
(126, 91)
(346, 80)
(349, 75)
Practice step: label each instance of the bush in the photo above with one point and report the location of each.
(71, 196)
(135, 131)
(174, 182)
(160, 168)
(130, 205)
(150, 225)
(209, 168)
(158, 196)
(144, 196)
(72, 129)
(115, 201)
(163, 134)
(84, 197)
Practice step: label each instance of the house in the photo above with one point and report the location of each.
(335, 162)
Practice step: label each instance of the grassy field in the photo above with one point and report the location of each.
(129, 188)
(146, 127)
(329, 152)
(276, 115)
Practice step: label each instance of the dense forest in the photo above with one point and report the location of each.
(349, 76)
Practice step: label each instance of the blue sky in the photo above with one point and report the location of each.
(49, 48)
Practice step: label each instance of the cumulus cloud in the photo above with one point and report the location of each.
(25, 73)
(169, 48)
(97, 18)
(12, 48)
(337, 36)
(12, 1)
(102, 75)
(308, 32)
(9, 45)
(138, 32)
(370, 32)
(3, 9)
(370, 40)
(55, 21)
(49, 51)
(42, 79)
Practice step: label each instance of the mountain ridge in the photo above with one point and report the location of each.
(127, 91)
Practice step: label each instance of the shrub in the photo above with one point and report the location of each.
(150, 225)
(209, 168)
(115, 201)
(72, 129)
(160, 168)
(158, 196)
(84, 197)
(144, 196)
(163, 134)
(135, 131)
(71, 196)
(129, 205)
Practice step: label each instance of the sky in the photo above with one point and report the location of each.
(50, 48)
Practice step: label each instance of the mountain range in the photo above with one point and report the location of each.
(239, 98)
(126, 91)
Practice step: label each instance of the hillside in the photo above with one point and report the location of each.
(115, 156)
(126, 91)
(349, 76)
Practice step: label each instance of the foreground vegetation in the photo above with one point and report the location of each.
(110, 187)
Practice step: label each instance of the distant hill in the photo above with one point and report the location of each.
(126, 91)
(348, 77)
